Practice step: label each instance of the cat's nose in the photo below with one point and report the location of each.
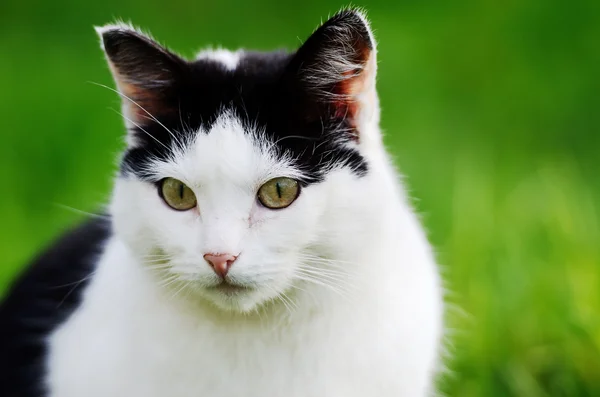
(220, 263)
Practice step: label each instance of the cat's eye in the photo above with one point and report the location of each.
(177, 195)
(278, 192)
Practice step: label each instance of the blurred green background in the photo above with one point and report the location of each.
(492, 111)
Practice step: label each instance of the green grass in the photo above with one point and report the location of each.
(490, 109)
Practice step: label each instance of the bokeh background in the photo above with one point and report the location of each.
(492, 111)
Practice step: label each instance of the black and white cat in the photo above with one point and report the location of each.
(258, 241)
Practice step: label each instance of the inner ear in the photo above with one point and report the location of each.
(333, 72)
(146, 73)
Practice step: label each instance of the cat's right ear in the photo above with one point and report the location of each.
(146, 74)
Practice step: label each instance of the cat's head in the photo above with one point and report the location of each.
(244, 172)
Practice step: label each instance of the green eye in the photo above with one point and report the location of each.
(177, 195)
(278, 193)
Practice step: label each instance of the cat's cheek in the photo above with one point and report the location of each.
(146, 224)
(127, 213)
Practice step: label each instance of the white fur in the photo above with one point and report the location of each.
(369, 324)
(229, 59)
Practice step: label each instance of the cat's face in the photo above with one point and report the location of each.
(241, 166)
(224, 168)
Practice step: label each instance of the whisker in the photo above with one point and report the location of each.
(162, 256)
(280, 297)
(341, 285)
(303, 290)
(331, 282)
(332, 267)
(157, 258)
(139, 106)
(321, 283)
(181, 288)
(78, 211)
(159, 266)
(75, 283)
(346, 272)
(290, 301)
(326, 260)
(323, 273)
(168, 281)
(287, 303)
(296, 137)
(140, 127)
(185, 127)
(321, 270)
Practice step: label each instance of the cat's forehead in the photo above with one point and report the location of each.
(230, 152)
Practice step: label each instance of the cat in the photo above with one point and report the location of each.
(258, 241)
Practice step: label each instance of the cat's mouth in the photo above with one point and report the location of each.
(228, 288)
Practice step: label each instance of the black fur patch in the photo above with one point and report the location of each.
(44, 296)
(267, 90)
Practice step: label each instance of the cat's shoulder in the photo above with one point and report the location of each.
(40, 299)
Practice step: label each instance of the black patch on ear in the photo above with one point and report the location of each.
(336, 52)
(311, 122)
(146, 73)
(328, 70)
(140, 61)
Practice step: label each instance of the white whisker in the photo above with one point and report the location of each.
(76, 283)
(306, 138)
(181, 288)
(320, 270)
(323, 260)
(142, 108)
(78, 211)
(289, 304)
(140, 127)
(324, 277)
(309, 279)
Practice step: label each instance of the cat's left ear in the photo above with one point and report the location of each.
(335, 69)
(146, 73)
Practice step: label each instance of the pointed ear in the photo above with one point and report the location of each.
(336, 67)
(146, 74)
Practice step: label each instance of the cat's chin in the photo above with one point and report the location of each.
(232, 298)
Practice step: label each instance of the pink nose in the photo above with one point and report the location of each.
(220, 263)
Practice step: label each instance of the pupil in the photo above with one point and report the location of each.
(181, 191)
(278, 189)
